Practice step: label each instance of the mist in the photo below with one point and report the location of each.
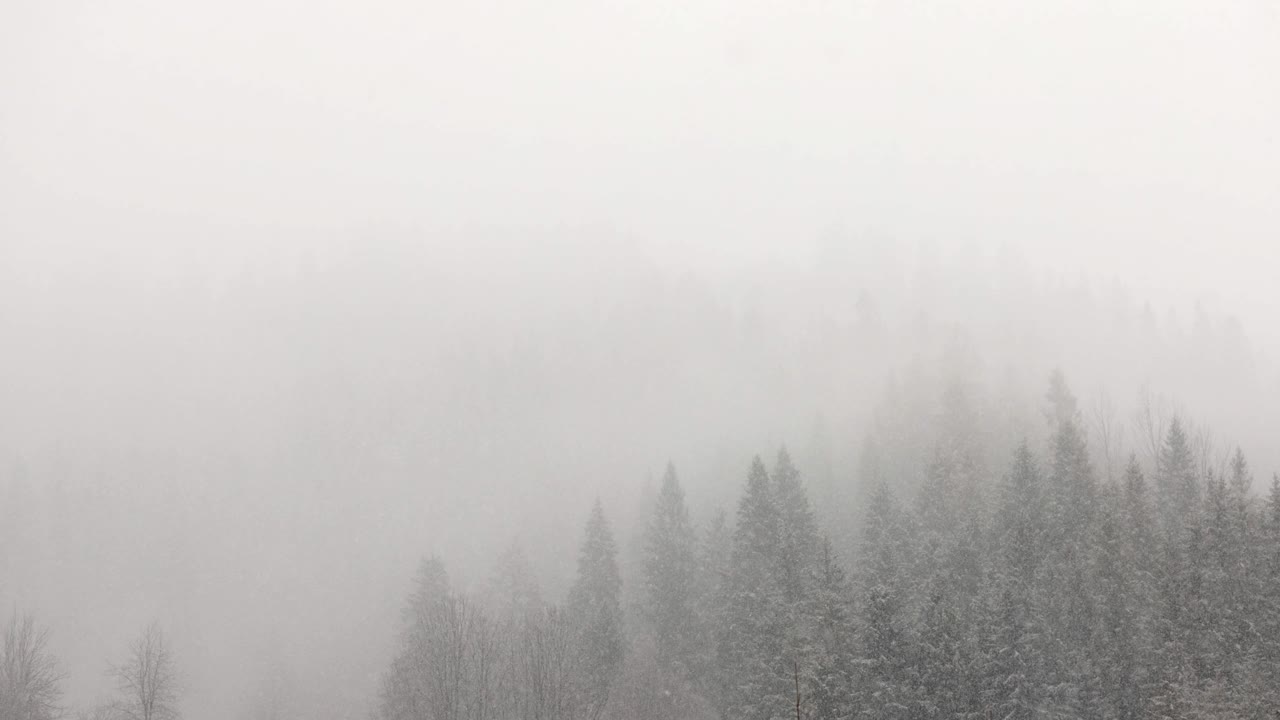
(294, 295)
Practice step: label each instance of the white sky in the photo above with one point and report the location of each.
(1138, 136)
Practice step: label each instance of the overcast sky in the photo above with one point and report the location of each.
(1131, 137)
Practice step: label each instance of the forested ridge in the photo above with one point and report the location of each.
(1037, 585)
(968, 545)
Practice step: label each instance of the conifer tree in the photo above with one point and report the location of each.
(831, 693)
(798, 556)
(714, 562)
(1119, 653)
(1021, 519)
(941, 659)
(1073, 489)
(1144, 573)
(669, 576)
(797, 531)
(1178, 490)
(753, 657)
(1011, 688)
(596, 611)
(882, 688)
(1268, 596)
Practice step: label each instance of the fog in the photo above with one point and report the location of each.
(295, 294)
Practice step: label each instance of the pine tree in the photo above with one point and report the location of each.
(596, 611)
(1063, 407)
(1021, 519)
(1178, 490)
(1073, 488)
(1069, 608)
(753, 659)
(669, 576)
(1144, 571)
(797, 531)
(1011, 687)
(940, 658)
(797, 561)
(831, 693)
(1268, 599)
(714, 562)
(1119, 653)
(882, 688)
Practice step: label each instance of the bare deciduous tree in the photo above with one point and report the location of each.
(147, 679)
(30, 676)
(448, 668)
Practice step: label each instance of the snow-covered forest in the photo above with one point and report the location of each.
(630, 359)
(1000, 585)
(865, 487)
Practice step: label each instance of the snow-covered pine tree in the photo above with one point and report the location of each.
(798, 556)
(1020, 521)
(669, 578)
(1178, 489)
(883, 688)
(1117, 647)
(714, 559)
(596, 612)
(831, 691)
(753, 659)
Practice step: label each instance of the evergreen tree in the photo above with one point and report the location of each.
(883, 688)
(1119, 654)
(753, 660)
(831, 693)
(1021, 519)
(669, 572)
(941, 659)
(714, 562)
(797, 549)
(1143, 570)
(1073, 488)
(596, 611)
(1178, 490)
(797, 560)
(1011, 688)
(1268, 599)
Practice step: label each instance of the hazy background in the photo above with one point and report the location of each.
(292, 293)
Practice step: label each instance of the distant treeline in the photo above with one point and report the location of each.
(1043, 589)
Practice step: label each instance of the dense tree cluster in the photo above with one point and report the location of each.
(1045, 589)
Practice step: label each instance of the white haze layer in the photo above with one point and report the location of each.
(292, 293)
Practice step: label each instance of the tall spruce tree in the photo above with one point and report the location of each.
(883, 687)
(753, 661)
(1117, 643)
(669, 577)
(797, 550)
(714, 575)
(1021, 520)
(1176, 482)
(596, 611)
(831, 689)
